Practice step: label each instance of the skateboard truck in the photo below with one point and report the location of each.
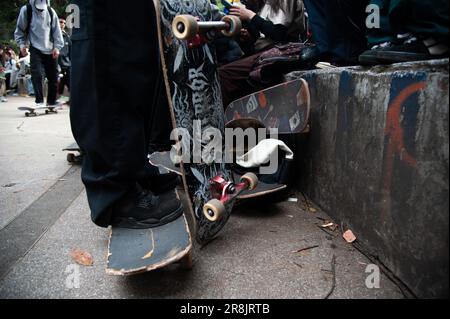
(225, 191)
(186, 27)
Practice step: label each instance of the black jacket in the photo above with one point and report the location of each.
(64, 56)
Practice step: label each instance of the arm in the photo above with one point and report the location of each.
(276, 32)
(58, 40)
(21, 27)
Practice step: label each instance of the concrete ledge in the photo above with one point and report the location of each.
(377, 160)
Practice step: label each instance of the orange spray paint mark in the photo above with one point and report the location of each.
(395, 133)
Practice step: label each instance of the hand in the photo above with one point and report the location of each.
(243, 13)
(55, 53)
(2, 70)
(245, 36)
(24, 51)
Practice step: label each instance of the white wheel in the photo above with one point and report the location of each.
(251, 179)
(235, 26)
(214, 210)
(185, 27)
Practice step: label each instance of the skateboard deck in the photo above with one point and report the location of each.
(31, 111)
(76, 154)
(190, 73)
(134, 251)
(284, 107)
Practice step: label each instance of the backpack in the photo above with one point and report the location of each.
(30, 17)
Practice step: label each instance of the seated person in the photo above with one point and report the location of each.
(261, 32)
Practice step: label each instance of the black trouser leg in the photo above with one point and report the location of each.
(338, 28)
(51, 72)
(111, 117)
(65, 80)
(37, 74)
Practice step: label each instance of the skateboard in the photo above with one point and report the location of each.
(73, 157)
(135, 251)
(189, 66)
(31, 111)
(284, 107)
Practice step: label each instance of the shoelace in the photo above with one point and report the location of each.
(382, 45)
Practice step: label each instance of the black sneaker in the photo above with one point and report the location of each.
(410, 49)
(146, 210)
(161, 183)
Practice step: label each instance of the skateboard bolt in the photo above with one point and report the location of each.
(210, 213)
(180, 27)
(231, 189)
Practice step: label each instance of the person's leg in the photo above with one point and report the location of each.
(385, 33)
(109, 116)
(234, 79)
(51, 72)
(67, 78)
(338, 29)
(425, 18)
(419, 31)
(8, 81)
(61, 83)
(37, 71)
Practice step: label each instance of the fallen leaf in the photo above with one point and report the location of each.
(312, 210)
(349, 236)
(327, 225)
(82, 257)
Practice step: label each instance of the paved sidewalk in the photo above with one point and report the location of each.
(254, 257)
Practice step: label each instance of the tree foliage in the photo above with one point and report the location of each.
(9, 11)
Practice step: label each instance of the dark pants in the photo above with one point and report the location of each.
(428, 18)
(338, 28)
(118, 102)
(43, 65)
(64, 81)
(234, 77)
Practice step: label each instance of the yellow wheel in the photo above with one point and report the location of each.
(185, 27)
(214, 210)
(235, 26)
(251, 179)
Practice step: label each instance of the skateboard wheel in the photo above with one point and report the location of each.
(251, 179)
(214, 210)
(185, 27)
(27, 114)
(71, 158)
(235, 26)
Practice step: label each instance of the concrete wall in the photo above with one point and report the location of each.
(377, 160)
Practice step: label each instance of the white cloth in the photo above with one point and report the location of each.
(284, 16)
(261, 153)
